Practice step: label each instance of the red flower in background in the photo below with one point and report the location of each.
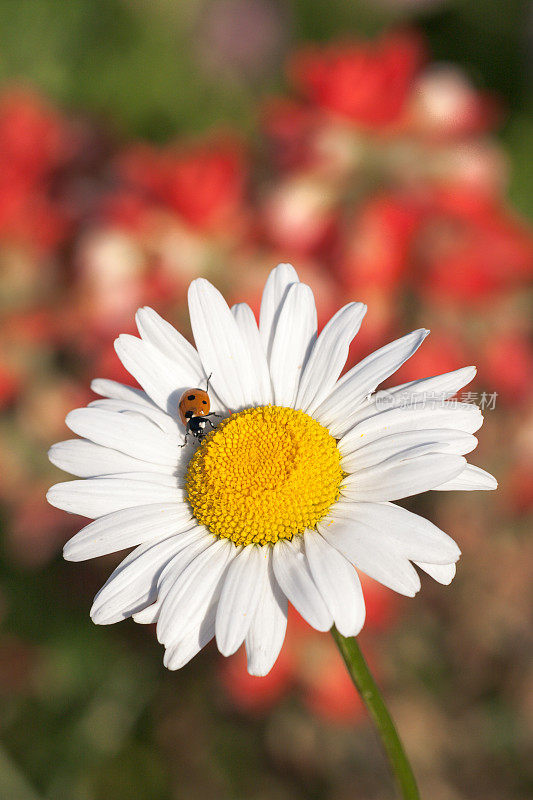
(32, 136)
(471, 248)
(519, 488)
(326, 685)
(139, 170)
(507, 365)
(205, 183)
(255, 696)
(289, 128)
(10, 385)
(367, 83)
(452, 245)
(33, 144)
(310, 665)
(377, 250)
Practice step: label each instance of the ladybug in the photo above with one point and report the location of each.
(194, 411)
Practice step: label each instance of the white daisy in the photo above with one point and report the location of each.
(290, 492)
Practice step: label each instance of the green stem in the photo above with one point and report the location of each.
(367, 688)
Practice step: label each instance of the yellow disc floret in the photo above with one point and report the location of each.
(264, 474)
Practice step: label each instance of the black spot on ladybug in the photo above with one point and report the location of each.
(191, 397)
(204, 402)
(189, 414)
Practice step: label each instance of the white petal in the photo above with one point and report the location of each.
(194, 632)
(170, 480)
(151, 412)
(239, 597)
(470, 479)
(88, 460)
(184, 556)
(191, 593)
(338, 410)
(265, 636)
(181, 653)
(402, 476)
(119, 391)
(221, 346)
(443, 573)
(274, 294)
(147, 615)
(414, 536)
(244, 317)
(294, 576)
(396, 453)
(438, 387)
(431, 391)
(337, 582)
(294, 337)
(377, 558)
(133, 584)
(94, 497)
(162, 335)
(162, 379)
(441, 440)
(328, 356)
(128, 528)
(424, 416)
(129, 433)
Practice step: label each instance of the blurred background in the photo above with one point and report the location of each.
(385, 149)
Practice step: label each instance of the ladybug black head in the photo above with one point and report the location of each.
(197, 425)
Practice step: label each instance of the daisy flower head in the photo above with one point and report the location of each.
(284, 492)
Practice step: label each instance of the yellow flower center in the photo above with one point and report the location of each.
(264, 474)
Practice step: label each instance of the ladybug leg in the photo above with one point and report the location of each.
(208, 379)
(187, 431)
